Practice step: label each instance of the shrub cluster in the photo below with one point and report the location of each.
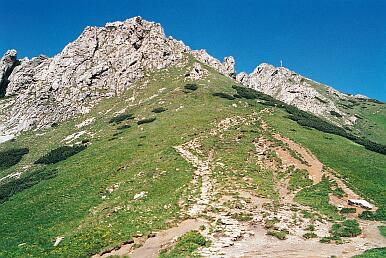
(309, 235)
(159, 110)
(334, 113)
(11, 157)
(191, 87)
(380, 215)
(59, 154)
(146, 121)
(279, 234)
(223, 95)
(185, 246)
(122, 117)
(349, 228)
(348, 210)
(18, 185)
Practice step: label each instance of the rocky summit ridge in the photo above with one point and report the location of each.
(105, 61)
(101, 62)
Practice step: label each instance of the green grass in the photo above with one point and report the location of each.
(279, 234)
(90, 200)
(382, 230)
(186, 246)
(77, 205)
(59, 154)
(348, 228)
(299, 179)
(373, 253)
(366, 173)
(316, 196)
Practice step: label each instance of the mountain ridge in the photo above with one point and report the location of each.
(105, 61)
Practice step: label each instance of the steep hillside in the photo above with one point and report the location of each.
(129, 143)
(186, 152)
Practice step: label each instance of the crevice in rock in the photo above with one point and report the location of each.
(5, 81)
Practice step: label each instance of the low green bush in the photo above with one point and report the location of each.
(191, 87)
(349, 228)
(328, 239)
(9, 158)
(348, 210)
(59, 154)
(310, 235)
(373, 253)
(185, 246)
(334, 113)
(338, 192)
(242, 217)
(120, 118)
(146, 121)
(380, 214)
(317, 197)
(12, 187)
(159, 110)
(223, 95)
(279, 234)
(311, 227)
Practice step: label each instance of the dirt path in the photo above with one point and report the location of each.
(202, 171)
(313, 165)
(152, 246)
(316, 171)
(217, 208)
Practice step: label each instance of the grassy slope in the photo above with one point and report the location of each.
(372, 122)
(71, 204)
(362, 169)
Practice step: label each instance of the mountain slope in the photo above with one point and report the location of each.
(92, 203)
(180, 147)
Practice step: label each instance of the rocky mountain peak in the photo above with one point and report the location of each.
(101, 62)
(297, 90)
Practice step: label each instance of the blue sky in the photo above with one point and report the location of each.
(336, 42)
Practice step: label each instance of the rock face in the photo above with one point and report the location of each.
(296, 90)
(227, 67)
(7, 63)
(102, 62)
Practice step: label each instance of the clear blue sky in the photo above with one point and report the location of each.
(339, 43)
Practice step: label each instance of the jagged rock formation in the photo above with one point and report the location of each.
(227, 67)
(7, 63)
(197, 72)
(105, 61)
(297, 90)
(102, 62)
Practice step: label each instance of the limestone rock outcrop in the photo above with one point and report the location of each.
(7, 63)
(227, 67)
(101, 62)
(296, 90)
